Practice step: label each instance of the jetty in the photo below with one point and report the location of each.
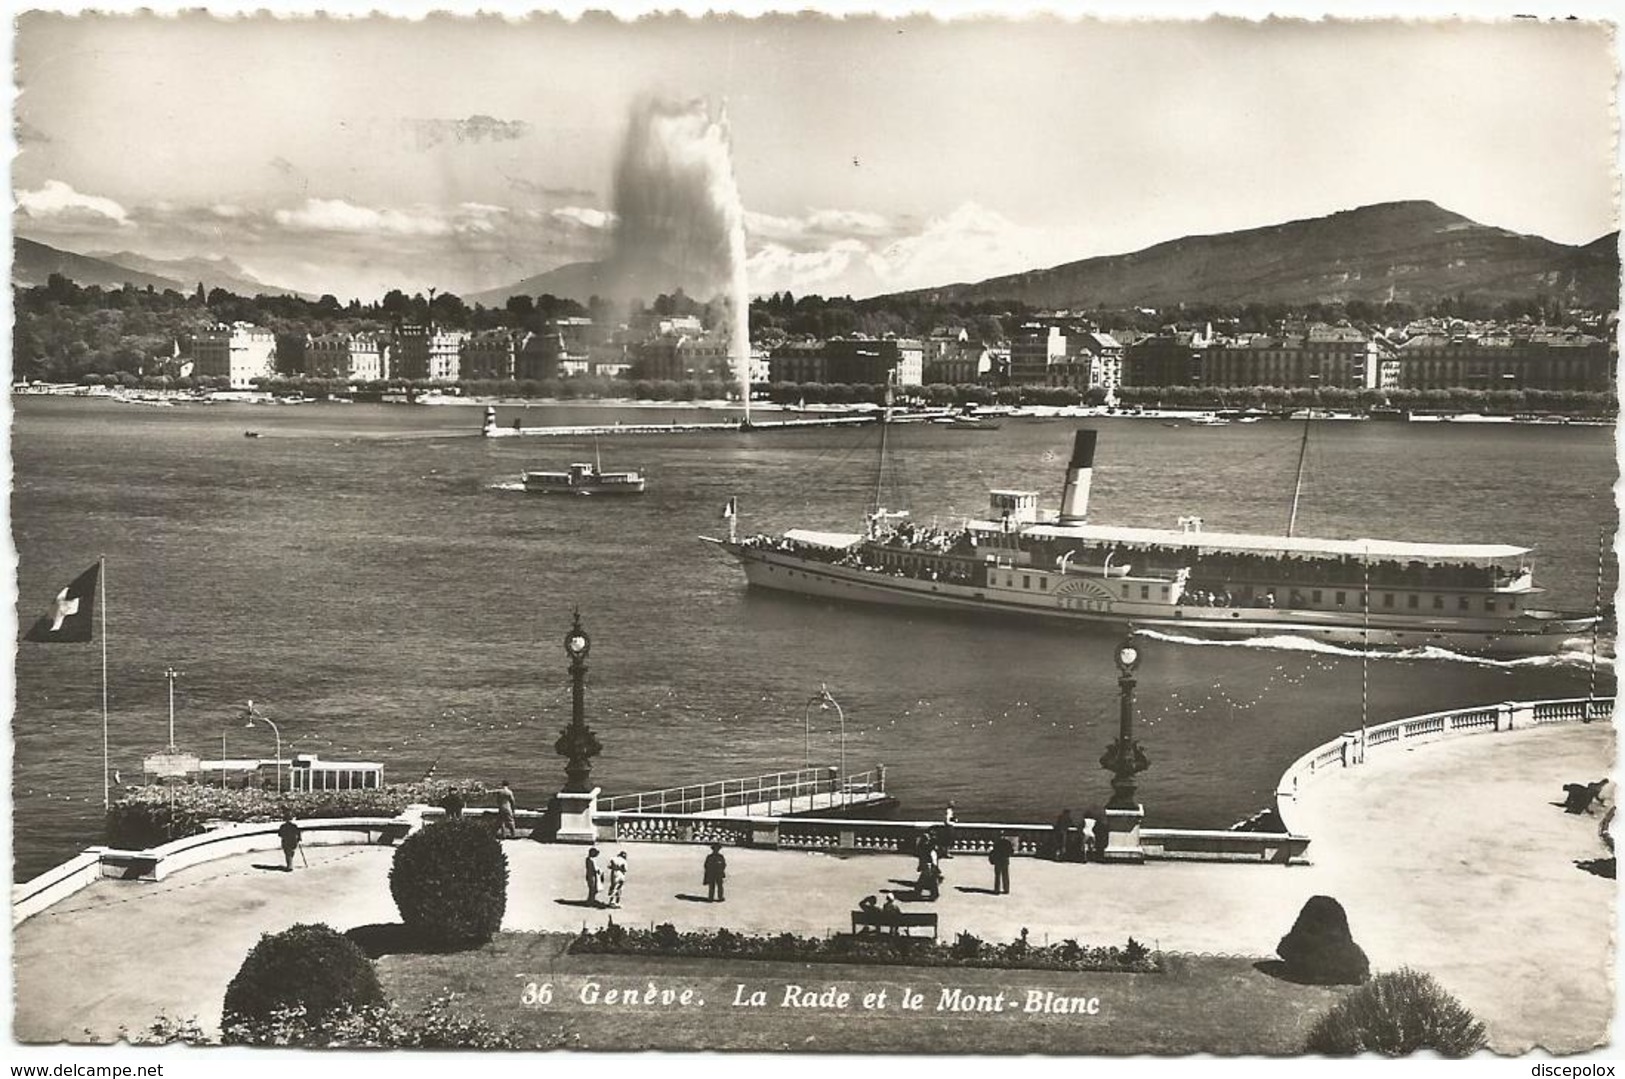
(491, 429)
(801, 793)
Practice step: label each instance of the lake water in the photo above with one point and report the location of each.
(362, 575)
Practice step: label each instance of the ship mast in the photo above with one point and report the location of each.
(880, 465)
(1297, 485)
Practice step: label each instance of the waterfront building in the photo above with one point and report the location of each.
(1169, 358)
(968, 364)
(874, 361)
(1535, 359)
(240, 352)
(490, 354)
(798, 361)
(427, 353)
(1035, 347)
(1318, 357)
(682, 357)
(358, 357)
(369, 357)
(1091, 359)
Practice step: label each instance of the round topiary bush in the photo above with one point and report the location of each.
(1320, 950)
(450, 883)
(309, 967)
(1397, 1014)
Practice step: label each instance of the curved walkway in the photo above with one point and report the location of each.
(1448, 858)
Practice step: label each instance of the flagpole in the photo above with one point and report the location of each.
(107, 796)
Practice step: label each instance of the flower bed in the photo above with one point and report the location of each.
(146, 816)
(966, 950)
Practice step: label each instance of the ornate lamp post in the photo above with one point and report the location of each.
(569, 816)
(578, 744)
(1124, 759)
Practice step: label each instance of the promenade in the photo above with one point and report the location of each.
(1448, 857)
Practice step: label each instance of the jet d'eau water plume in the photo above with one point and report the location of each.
(680, 221)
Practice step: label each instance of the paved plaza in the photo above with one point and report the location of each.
(1448, 857)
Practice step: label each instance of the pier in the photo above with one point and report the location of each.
(804, 792)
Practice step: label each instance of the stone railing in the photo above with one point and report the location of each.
(221, 841)
(899, 837)
(1350, 749)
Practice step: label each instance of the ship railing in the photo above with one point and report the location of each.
(1352, 748)
(800, 791)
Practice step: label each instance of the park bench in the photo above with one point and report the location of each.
(895, 922)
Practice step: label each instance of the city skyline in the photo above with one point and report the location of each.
(347, 156)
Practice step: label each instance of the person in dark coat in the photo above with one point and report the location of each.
(593, 870)
(1063, 834)
(1003, 850)
(716, 871)
(291, 836)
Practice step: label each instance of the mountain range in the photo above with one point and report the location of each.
(33, 263)
(1414, 251)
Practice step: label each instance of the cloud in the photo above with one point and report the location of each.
(337, 215)
(870, 254)
(817, 227)
(57, 205)
(431, 132)
(589, 218)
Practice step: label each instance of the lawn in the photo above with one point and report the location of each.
(530, 984)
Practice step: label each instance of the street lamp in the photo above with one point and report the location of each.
(171, 674)
(1124, 758)
(578, 745)
(825, 701)
(251, 716)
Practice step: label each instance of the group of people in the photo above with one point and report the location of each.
(610, 880)
(599, 875)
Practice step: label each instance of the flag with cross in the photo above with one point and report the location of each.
(69, 619)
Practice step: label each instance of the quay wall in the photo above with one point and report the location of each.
(1354, 748)
(835, 834)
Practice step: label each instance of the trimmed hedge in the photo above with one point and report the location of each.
(148, 816)
(877, 948)
(1397, 1014)
(311, 967)
(450, 883)
(1320, 950)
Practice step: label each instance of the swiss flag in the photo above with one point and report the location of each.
(69, 619)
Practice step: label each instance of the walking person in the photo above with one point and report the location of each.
(1003, 850)
(594, 871)
(505, 822)
(617, 878)
(291, 837)
(1063, 834)
(929, 886)
(949, 819)
(716, 871)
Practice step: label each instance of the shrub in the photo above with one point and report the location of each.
(1396, 1014)
(450, 883)
(1320, 950)
(311, 967)
(147, 816)
(381, 1026)
(966, 950)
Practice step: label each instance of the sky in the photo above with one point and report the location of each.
(353, 155)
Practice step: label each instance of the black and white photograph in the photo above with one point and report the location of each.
(910, 533)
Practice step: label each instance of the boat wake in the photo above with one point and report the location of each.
(507, 485)
(1576, 654)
